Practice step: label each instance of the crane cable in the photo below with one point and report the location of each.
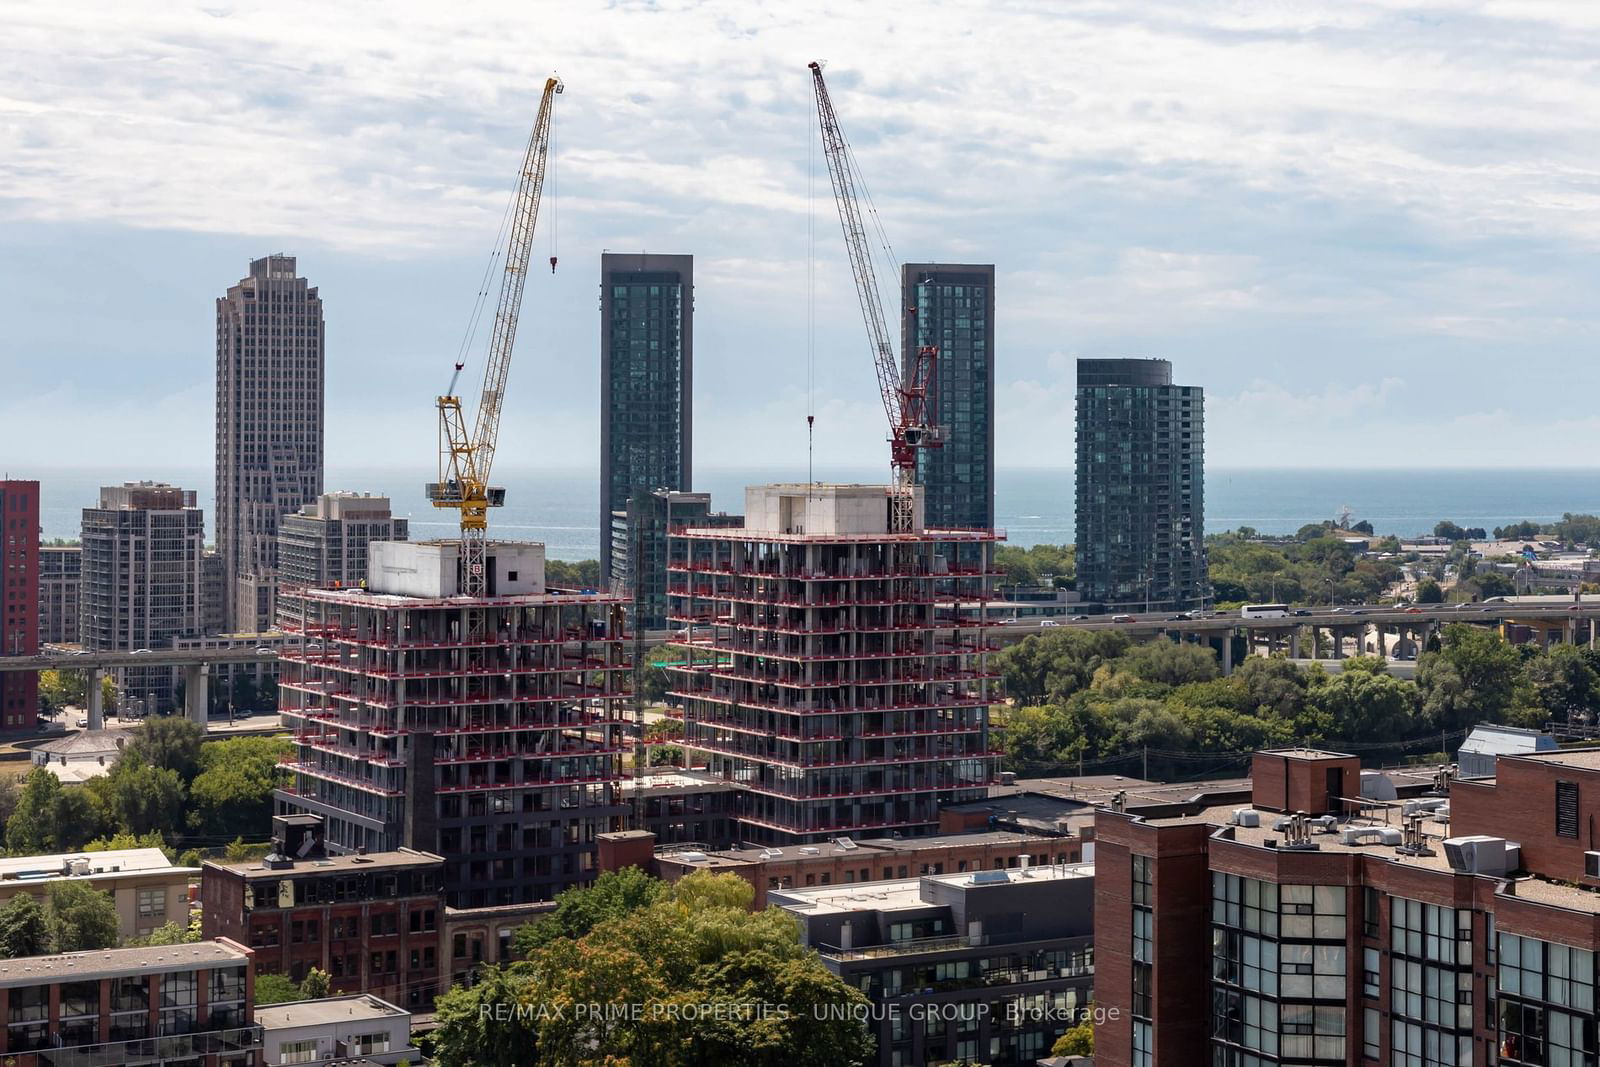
(496, 251)
(811, 307)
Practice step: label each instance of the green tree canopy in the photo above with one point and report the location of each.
(232, 794)
(1429, 592)
(1474, 677)
(168, 742)
(693, 944)
(581, 908)
(49, 818)
(277, 989)
(81, 917)
(24, 931)
(1057, 663)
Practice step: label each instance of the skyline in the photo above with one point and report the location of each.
(1362, 265)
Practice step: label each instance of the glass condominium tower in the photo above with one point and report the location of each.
(646, 380)
(1140, 487)
(951, 305)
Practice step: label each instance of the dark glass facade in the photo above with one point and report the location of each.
(643, 527)
(1140, 487)
(951, 306)
(646, 374)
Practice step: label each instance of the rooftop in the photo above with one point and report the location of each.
(906, 893)
(361, 1007)
(85, 743)
(115, 962)
(122, 861)
(687, 781)
(831, 850)
(371, 861)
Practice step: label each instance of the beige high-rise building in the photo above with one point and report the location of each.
(324, 545)
(269, 427)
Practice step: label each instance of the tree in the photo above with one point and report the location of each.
(1429, 592)
(1449, 531)
(656, 680)
(1368, 705)
(109, 699)
(694, 945)
(1473, 678)
(136, 797)
(276, 989)
(1078, 1040)
(1564, 683)
(123, 839)
(23, 928)
(1172, 662)
(48, 818)
(1057, 663)
(316, 984)
(171, 933)
(81, 918)
(232, 794)
(170, 743)
(584, 574)
(58, 689)
(581, 908)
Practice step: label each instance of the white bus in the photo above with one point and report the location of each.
(1264, 611)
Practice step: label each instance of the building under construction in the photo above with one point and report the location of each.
(486, 729)
(838, 672)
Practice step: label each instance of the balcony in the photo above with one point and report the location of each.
(244, 1039)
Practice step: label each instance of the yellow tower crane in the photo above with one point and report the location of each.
(464, 462)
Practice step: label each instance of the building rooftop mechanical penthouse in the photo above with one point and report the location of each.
(836, 670)
(484, 729)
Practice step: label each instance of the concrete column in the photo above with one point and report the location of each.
(97, 710)
(1383, 653)
(195, 692)
(1339, 634)
(1294, 643)
(1572, 630)
(1227, 652)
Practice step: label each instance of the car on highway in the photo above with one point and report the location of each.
(264, 651)
(1080, 618)
(1122, 618)
(83, 723)
(1301, 613)
(1182, 616)
(1049, 622)
(1413, 611)
(140, 651)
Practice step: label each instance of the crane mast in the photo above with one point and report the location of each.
(905, 399)
(465, 461)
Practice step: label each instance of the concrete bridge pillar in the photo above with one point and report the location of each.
(196, 698)
(1339, 633)
(1294, 643)
(1383, 652)
(96, 695)
(1227, 652)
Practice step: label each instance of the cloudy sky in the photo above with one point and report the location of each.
(1367, 227)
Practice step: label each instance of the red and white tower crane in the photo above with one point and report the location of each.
(905, 398)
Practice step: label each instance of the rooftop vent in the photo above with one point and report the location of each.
(1482, 854)
(1245, 817)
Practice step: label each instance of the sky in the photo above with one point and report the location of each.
(1366, 227)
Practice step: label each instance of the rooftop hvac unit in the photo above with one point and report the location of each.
(1246, 817)
(1388, 835)
(1480, 854)
(693, 857)
(810, 850)
(1359, 835)
(1591, 864)
(844, 843)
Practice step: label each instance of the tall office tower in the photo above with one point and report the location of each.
(839, 672)
(59, 573)
(324, 545)
(642, 529)
(269, 426)
(19, 599)
(951, 306)
(141, 581)
(1141, 487)
(646, 379)
(487, 730)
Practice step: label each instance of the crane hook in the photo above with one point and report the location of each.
(552, 264)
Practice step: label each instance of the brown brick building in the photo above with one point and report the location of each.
(372, 922)
(1321, 927)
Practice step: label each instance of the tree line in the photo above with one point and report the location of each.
(1085, 696)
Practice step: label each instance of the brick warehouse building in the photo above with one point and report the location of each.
(486, 730)
(370, 922)
(835, 673)
(19, 599)
(1320, 928)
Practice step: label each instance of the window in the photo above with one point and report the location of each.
(1566, 809)
(298, 1051)
(152, 903)
(368, 1044)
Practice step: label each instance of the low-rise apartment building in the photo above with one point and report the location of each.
(166, 1006)
(334, 1030)
(148, 889)
(990, 966)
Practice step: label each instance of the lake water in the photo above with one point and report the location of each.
(561, 507)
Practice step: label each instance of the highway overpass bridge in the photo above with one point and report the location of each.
(1331, 634)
